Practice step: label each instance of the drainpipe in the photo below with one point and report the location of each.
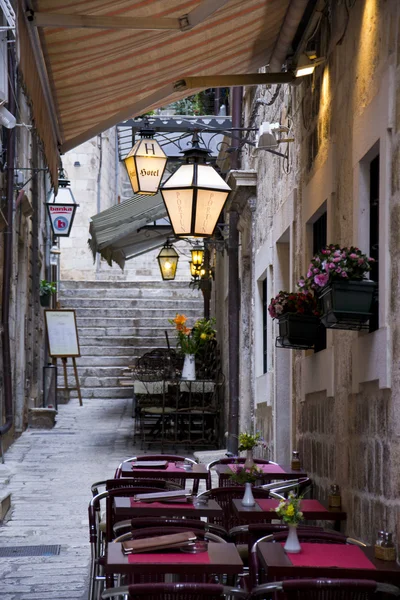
(7, 259)
(234, 292)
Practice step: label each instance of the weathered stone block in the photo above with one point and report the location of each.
(42, 418)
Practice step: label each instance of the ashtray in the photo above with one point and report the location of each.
(195, 547)
(184, 466)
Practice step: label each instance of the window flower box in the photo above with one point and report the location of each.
(297, 331)
(347, 304)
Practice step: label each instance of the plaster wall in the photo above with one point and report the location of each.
(344, 401)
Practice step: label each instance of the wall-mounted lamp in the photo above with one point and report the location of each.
(146, 163)
(197, 253)
(168, 262)
(195, 194)
(61, 208)
(306, 65)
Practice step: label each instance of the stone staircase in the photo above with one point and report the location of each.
(117, 323)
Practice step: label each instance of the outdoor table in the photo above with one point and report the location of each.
(220, 558)
(270, 472)
(313, 510)
(127, 508)
(326, 560)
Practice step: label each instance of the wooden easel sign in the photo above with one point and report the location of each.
(63, 342)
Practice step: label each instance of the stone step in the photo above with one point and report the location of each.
(98, 371)
(153, 322)
(145, 342)
(117, 293)
(113, 332)
(105, 361)
(171, 305)
(116, 350)
(109, 393)
(139, 284)
(99, 312)
(93, 382)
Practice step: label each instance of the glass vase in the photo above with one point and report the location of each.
(249, 462)
(292, 545)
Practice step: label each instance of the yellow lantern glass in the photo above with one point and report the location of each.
(197, 256)
(145, 164)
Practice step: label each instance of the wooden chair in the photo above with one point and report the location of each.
(175, 591)
(326, 589)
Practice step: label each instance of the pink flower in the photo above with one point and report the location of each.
(301, 283)
(315, 271)
(371, 260)
(338, 270)
(331, 265)
(360, 261)
(336, 253)
(344, 274)
(352, 255)
(337, 259)
(309, 273)
(322, 279)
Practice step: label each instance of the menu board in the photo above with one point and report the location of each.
(62, 333)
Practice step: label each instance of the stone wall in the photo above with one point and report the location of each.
(340, 406)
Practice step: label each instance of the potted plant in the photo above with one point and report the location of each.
(46, 290)
(339, 277)
(298, 319)
(247, 477)
(290, 513)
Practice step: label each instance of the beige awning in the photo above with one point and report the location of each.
(97, 69)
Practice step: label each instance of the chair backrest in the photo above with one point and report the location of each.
(175, 591)
(169, 457)
(149, 532)
(141, 522)
(223, 481)
(224, 497)
(302, 486)
(326, 589)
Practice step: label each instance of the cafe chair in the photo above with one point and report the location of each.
(223, 481)
(255, 531)
(155, 484)
(142, 522)
(280, 490)
(175, 591)
(310, 535)
(149, 532)
(325, 589)
(224, 496)
(157, 475)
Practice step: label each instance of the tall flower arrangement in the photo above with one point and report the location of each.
(334, 263)
(190, 341)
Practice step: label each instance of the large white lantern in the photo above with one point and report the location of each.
(194, 195)
(145, 164)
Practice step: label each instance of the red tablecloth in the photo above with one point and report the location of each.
(160, 504)
(172, 557)
(330, 555)
(305, 505)
(264, 468)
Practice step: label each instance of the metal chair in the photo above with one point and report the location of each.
(175, 591)
(224, 497)
(169, 457)
(149, 532)
(143, 522)
(222, 481)
(155, 484)
(326, 589)
(280, 490)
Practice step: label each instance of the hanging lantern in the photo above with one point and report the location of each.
(194, 269)
(168, 262)
(197, 255)
(145, 164)
(61, 208)
(194, 195)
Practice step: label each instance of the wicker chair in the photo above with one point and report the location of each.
(175, 591)
(326, 589)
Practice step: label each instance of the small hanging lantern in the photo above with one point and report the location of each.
(61, 208)
(195, 194)
(168, 262)
(194, 269)
(146, 163)
(197, 255)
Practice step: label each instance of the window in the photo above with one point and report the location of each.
(265, 323)
(374, 234)
(319, 241)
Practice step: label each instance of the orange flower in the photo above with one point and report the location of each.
(180, 320)
(186, 330)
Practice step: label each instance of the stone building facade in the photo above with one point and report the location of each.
(338, 406)
(24, 184)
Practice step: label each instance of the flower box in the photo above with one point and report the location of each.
(45, 300)
(347, 304)
(297, 331)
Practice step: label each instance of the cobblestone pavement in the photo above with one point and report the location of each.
(50, 473)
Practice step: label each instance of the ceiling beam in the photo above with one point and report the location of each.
(218, 81)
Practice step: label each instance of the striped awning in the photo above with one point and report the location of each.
(117, 233)
(92, 77)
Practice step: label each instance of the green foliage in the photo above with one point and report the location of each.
(47, 288)
(289, 510)
(241, 475)
(247, 441)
